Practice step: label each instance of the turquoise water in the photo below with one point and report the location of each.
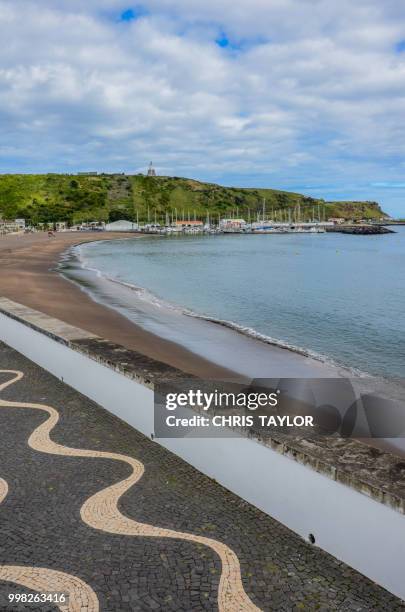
(336, 295)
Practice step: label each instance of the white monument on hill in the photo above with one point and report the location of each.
(151, 170)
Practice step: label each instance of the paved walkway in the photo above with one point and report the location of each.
(90, 507)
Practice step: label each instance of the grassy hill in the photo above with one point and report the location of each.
(106, 197)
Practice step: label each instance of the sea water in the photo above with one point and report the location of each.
(338, 297)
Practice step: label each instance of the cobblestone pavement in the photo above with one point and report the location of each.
(41, 525)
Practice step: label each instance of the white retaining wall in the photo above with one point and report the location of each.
(367, 535)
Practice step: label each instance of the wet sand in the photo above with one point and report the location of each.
(28, 276)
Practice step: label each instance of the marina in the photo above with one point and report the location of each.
(290, 220)
(230, 226)
(283, 221)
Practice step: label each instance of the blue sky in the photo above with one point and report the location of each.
(305, 95)
(133, 13)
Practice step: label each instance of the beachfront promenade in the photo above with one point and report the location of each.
(91, 507)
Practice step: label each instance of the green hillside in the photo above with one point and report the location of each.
(105, 197)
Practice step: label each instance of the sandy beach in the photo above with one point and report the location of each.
(28, 276)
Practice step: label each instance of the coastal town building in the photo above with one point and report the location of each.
(11, 226)
(232, 224)
(121, 226)
(337, 220)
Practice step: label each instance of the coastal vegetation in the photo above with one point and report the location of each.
(107, 197)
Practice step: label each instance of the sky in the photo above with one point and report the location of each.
(302, 95)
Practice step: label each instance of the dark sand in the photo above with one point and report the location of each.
(28, 276)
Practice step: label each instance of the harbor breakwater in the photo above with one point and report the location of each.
(362, 230)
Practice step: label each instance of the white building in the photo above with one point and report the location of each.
(336, 220)
(11, 227)
(121, 226)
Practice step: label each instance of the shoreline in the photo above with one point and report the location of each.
(30, 277)
(35, 274)
(217, 341)
(35, 278)
(76, 258)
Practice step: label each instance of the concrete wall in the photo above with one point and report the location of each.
(365, 534)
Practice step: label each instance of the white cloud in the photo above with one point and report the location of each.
(309, 92)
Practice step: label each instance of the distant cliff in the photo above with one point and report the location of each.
(72, 198)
